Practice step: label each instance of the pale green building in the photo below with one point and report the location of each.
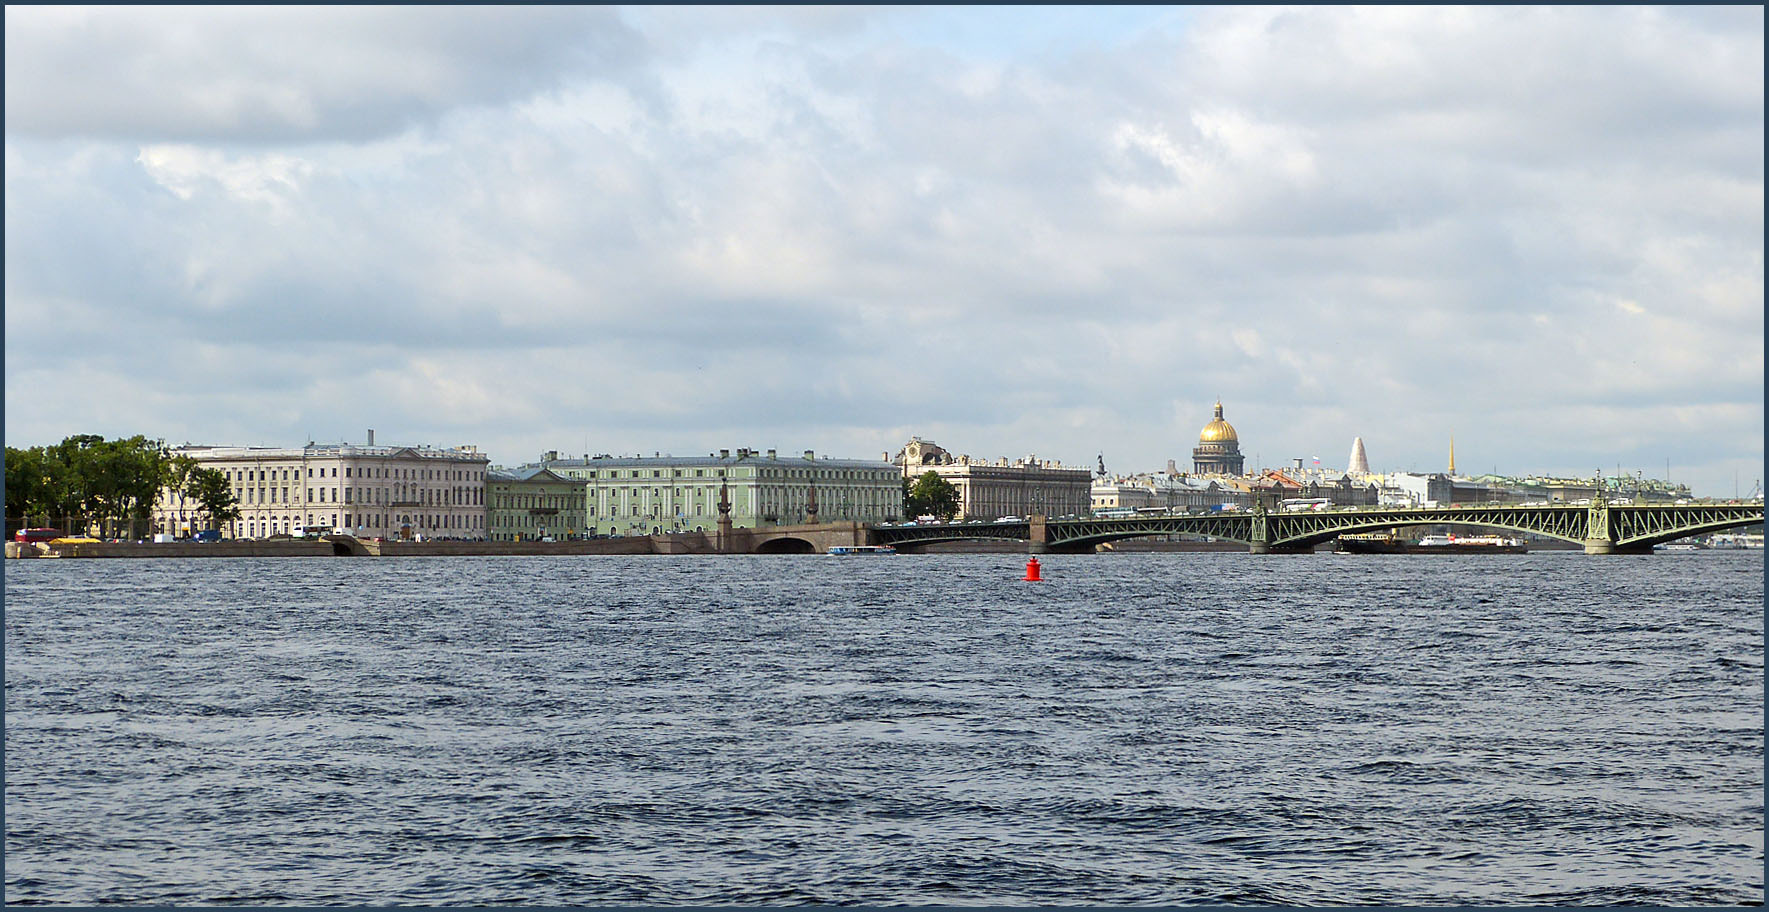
(662, 494)
(531, 503)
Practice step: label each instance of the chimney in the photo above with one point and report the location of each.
(770, 452)
(724, 454)
(810, 455)
(371, 436)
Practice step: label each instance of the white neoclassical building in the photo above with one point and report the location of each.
(990, 490)
(371, 491)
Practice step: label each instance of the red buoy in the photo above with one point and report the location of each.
(1032, 571)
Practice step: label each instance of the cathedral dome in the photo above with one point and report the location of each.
(1218, 430)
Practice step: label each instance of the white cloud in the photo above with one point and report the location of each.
(779, 224)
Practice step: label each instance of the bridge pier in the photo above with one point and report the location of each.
(1258, 547)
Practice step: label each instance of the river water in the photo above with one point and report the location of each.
(921, 729)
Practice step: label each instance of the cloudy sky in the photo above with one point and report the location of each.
(1047, 231)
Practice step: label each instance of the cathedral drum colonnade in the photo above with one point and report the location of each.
(1219, 448)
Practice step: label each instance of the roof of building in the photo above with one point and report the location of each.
(740, 457)
(528, 473)
(327, 450)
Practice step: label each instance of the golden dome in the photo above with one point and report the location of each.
(1218, 430)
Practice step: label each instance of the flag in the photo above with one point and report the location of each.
(1317, 460)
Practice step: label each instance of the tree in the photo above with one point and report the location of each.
(931, 495)
(215, 496)
(182, 475)
(87, 478)
(39, 486)
(114, 481)
(25, 482)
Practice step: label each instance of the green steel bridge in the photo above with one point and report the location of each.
(1602, 528)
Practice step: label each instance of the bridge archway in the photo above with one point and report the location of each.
(1310, 541)
(1648, 541)
(917, 545)
(786, 546)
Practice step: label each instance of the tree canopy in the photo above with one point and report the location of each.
(930, 495)
(90, 479)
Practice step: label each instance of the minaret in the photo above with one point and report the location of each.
(1359, 463)
(1452, 454)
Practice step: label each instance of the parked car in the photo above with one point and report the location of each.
(207, 535)
(36, 535)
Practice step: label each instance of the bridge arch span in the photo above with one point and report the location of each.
(912, 545)
(1090, 541)
(1659, 538)
(1320, 538)
(786, 545)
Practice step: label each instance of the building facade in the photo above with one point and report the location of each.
(991, 490)
(1171, 492)
(662, 494)
(398, 492)
(1219, 449)
(532, 503)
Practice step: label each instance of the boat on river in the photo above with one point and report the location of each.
(862, 549)
(1382, 543)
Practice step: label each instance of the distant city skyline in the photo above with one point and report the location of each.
(1051, 230)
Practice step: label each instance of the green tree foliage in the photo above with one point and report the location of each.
(930, 495)
(181, 480)
(86, 479)
(214, 497)
(29, 483)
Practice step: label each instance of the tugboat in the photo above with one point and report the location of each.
(1387, 543)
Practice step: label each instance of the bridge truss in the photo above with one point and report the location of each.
(1602, 528)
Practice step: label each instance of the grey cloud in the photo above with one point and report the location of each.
(288, 74)
(859, 237)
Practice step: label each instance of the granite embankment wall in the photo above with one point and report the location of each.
(175, 549)
(662, 544)
(631, 545)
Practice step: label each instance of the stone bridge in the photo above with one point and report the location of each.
(807, 538)
(1602, 528)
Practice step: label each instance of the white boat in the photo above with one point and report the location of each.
(862, 549)
(1472, 544)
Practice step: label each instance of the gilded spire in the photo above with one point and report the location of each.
(1452, 454)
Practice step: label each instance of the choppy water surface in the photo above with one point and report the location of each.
(1139, 728)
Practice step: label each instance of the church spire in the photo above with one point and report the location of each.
(1452, 454)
